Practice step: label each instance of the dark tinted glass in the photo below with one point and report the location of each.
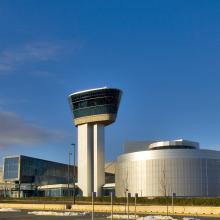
(105, 101)
(173, 147)
(11, 166)
(44, 172)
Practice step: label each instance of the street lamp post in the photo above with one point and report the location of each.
(173, 195)
(74, 173)
(68, 186)
(135, 205)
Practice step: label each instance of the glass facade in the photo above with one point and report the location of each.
(58, 192)
(104, 101)
(109, 177)
(11, 168)
(36, 171)
(173, 147)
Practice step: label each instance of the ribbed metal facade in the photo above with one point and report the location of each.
(186, 172)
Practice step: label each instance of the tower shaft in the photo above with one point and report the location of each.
(91, 163)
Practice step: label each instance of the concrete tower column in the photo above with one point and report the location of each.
(85, 148)
(99, 158)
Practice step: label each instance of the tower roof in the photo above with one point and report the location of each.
(88, 90)
(174, 144)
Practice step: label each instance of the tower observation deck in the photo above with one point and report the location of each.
(93, 110)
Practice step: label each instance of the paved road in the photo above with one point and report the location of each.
(24, 216)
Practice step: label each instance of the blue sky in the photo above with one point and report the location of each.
(164, 55)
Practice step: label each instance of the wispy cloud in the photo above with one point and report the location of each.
(6, 103)
(11, 59)
(4, 67)
(14, 130)
(40, 73)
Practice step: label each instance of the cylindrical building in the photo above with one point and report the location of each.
(169, 167)
(93, 110)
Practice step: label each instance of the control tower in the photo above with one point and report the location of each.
(93, 110)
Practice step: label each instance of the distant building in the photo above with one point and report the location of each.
(135, 146)
(109, 185)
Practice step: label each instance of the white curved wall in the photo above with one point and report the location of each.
(158, 172)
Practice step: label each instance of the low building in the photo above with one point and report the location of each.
(1, 176)
(109, 186)
(1, 183)
(26, 174)
(167, 167)
(110, 172)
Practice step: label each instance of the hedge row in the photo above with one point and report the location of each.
(140, 200)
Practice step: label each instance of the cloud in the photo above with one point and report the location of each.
(4, 67)
(41, 51)
(30, 52)
(16, 131)
(6, 103)
(12, 58)
(40, 73)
